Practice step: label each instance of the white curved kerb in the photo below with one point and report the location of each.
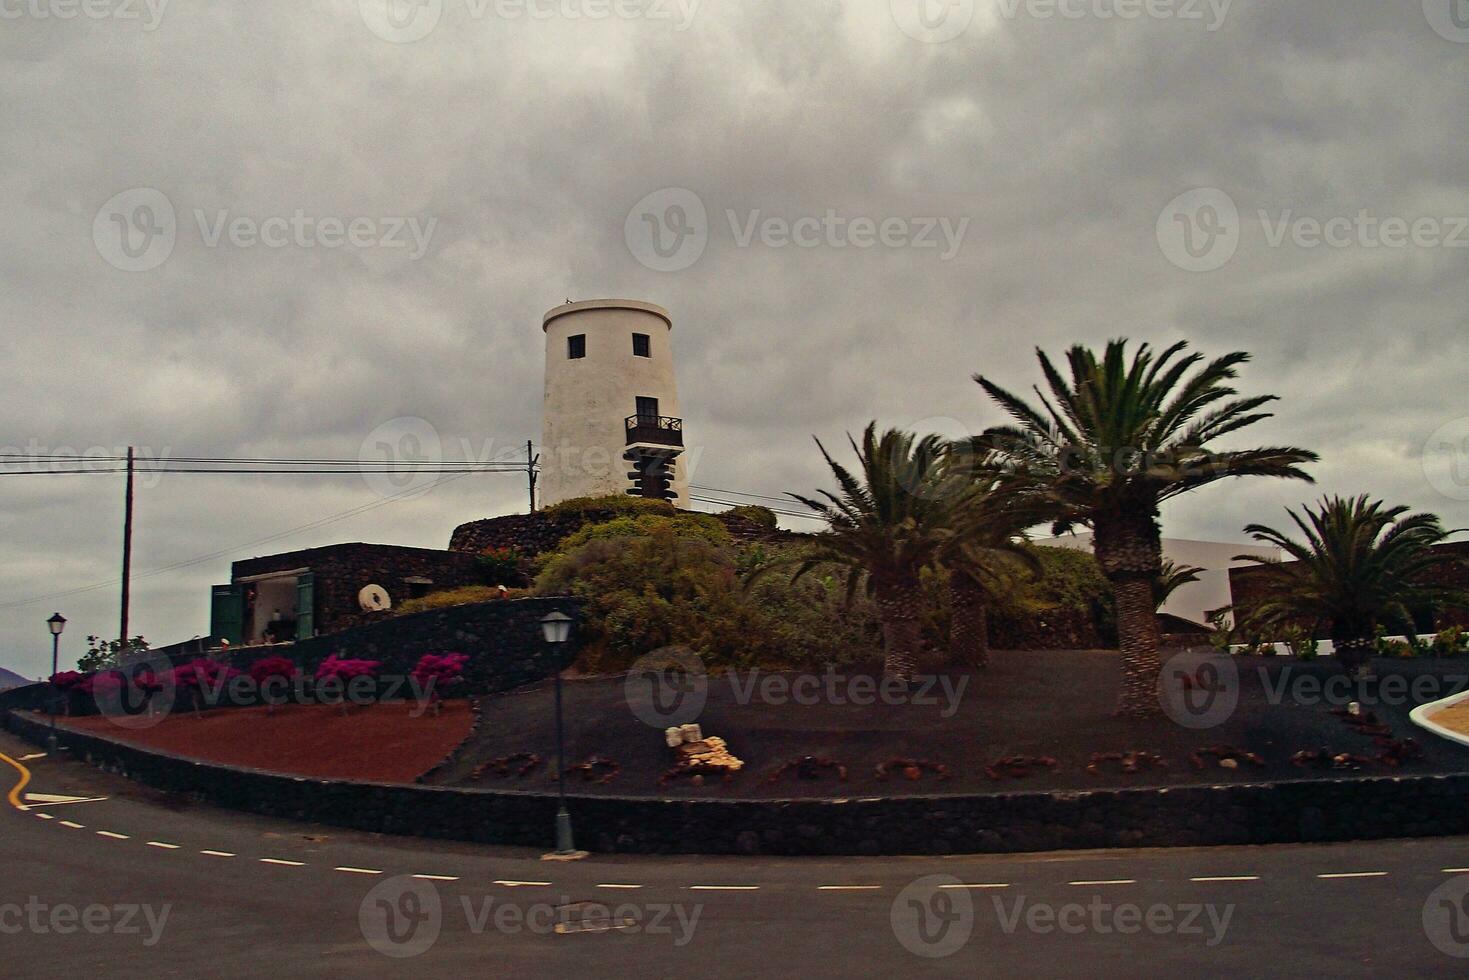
(1419, 717)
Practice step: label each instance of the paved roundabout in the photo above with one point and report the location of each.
(105, 875)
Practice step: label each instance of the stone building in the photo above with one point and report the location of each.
(320, 590)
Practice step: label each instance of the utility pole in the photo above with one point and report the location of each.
(530, 474)
(127, 553)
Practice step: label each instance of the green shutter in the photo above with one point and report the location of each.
(306, 606)
(227, 612)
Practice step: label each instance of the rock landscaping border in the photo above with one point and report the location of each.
(1248, 813)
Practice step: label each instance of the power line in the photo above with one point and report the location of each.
(214, 555)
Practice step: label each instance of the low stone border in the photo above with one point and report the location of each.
(1248, 813)
(1419, 717)
(477, 713)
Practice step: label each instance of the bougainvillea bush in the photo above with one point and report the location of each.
(337, 677)
(200, 680)
(438, 673)
(269, 672)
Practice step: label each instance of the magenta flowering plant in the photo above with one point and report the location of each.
(438, 672)
(268, 669)
(67, 679)
(199, 676)
(335, 667)
(335, 673)
(265, 668)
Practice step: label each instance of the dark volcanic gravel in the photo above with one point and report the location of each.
(1052, 703)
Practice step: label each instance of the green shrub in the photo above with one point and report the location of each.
(684, 524)
(756, 514)
(1451, 642)
(1301, 644)
(501, 566)
(445, 598)
(674, 586)
(612, 503)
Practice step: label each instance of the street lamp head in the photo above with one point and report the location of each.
(556, 627)
(56, 623)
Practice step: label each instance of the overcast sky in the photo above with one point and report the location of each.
(338, 216)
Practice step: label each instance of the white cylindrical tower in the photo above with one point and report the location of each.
(611, 418)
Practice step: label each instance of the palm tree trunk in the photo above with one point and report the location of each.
(969, 643)
(898, 608)
(1137, 635)
(1354, 653)
(1129, 549)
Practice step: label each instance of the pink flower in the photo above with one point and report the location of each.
(335, 668)
(66, 679)
(265, 668)
(200, 673)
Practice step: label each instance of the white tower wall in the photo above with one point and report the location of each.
(588, 399)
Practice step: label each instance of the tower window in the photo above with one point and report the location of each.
(641, 345)
(576, 346)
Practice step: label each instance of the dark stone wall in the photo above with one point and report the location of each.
(539, 532)
(503, 640)
(531, 534)
(1255, 813)
(343, 569)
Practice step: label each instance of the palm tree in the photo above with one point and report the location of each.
(1362, 564)
(1172, 577)
(885, 526)
(986, 555)
(1114, 441)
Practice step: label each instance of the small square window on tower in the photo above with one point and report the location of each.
(641, 345)
(576, 346)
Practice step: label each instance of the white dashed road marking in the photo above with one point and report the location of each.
(359, 871)
(283, 863)
(724, 888)
(523, 884)
(164, 845)
(1228, 878)
(218, 854)
(108, 833)
(45, 816)
(1455, 871)
(73, 825)
(848, 888)
(996, 884)
(1356, 874)
(616, 885)
(437, 877)
(1109, 881)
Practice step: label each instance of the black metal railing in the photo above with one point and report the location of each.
(659, 430)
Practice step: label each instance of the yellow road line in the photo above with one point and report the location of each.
(25, 777)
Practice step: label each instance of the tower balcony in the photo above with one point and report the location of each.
(654, 430)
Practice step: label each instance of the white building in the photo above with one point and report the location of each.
(1196, 600)
(611, 418)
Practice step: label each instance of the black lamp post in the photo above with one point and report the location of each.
(556, 628)
(55, 624)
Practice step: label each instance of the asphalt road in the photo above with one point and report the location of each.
(144, 884)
